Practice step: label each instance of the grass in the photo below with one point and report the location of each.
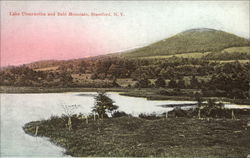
(245, 49)
(125, 82)
(13, 89)
(230, 61)
(153, 94)
(52, 68)
(231, 50)
(237, 49)
(136, 137)
(190, 42)
(184, 55)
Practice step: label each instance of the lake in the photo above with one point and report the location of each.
(18, 109)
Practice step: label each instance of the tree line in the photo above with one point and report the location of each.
(226, 79)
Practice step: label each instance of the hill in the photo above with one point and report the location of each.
(204, 43)
(191, 41)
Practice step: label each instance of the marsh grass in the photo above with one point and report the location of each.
(139, 137)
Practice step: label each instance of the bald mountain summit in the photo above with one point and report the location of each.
(201, 40)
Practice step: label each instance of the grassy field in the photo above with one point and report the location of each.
(12, 89)
(184, 55)
(136, 137)
(189, 42)
(245, 49)
(229, 61)
(237, 49)
(52, 68)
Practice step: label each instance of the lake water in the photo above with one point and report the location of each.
(18, 109)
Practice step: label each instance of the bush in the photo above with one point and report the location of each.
(143, 83)
(212, 93)
(164, 92)
(152, 116)
(119, 114)
(160, 82)
(178, 112)
(56, 122)
(175, 92)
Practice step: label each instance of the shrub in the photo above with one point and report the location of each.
(160, 82)
(178, 112)
(119, 114)
(152, 116)
(163, 92)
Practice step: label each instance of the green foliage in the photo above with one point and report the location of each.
(172, 84)
(237, 49)
(119, 114)
(115, 84)
(194, 83)
(136, 137)
(152, 116)
(104, 104)
(197, 40)
(227, 56)
(65, 79)
(181, 84)
(160, 82)
(233, 78)
(221, 79)
(143, 83)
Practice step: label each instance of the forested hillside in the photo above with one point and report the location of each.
(223, 72)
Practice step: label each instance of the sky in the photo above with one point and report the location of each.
(26, 38)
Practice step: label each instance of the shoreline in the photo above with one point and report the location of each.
(131, 92)
(131, 136)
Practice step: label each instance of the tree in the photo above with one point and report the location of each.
(181, 83)
(198, 98)
(103, 104)
(115, 84)
(194, 83)
(93, 76)
(143, 83)
(82, 67)
(65, 79)
(160, 82)
(116, 70)
(172, 84)
(69, 110)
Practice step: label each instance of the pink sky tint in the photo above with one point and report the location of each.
(26, 43)
(27, 39)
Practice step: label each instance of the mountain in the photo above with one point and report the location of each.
(218, 45)
(191, 41)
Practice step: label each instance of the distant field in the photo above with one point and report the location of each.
(81, 76)
(238, 49)
(124, 82)
(190, 41)
(53, 68)
(184, 55)
(228, 61)
(200, 54)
